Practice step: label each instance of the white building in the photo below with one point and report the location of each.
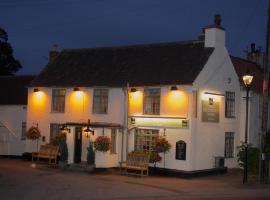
(187, 91)
(13, 108)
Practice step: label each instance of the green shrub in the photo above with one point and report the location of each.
(253, 157)
(60, 140)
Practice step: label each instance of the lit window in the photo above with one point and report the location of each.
(229, 145)
(100, 101)
(54, 130)
(230, 105)
(145, 140)
(151, 101)
(58, 100)
(113, 140)
(23, 130)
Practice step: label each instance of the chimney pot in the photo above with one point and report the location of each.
(253, 47)
(53, 53)
(217, 20)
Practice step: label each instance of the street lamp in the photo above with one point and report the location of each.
(247, 79)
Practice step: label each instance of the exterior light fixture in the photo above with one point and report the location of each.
(64, 128)
(76, 89)
(247, 79)
(36, 90)
(88, 130)
(133, 90)
(174, 88)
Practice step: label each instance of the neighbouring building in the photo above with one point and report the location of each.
(189, 92)
(13, 109)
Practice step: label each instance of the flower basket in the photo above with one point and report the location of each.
(102, 143)
(33, 133)
(162, 145)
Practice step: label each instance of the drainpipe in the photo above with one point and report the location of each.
(127, 115)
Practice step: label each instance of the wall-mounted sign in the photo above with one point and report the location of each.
(210, 110)
(137, 121)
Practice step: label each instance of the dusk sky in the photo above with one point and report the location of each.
(34, 26)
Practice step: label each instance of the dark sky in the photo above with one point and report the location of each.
(35, 25)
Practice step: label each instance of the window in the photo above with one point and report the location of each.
(151, 101)
(145, 140)
(100, 101)
(58, 100)
(54, 130)
(23, 130)
(230, 105)
(113, 140)
(229, 145)
(180, 151)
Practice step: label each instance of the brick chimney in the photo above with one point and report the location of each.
(214, 35)
(53, 53)
(255, 54)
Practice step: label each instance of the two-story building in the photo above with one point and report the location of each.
(188, 92)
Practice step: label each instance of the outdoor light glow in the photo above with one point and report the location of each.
(247, 79)
(176, 102)
(38, 99)
(135, 102)
(77, 98)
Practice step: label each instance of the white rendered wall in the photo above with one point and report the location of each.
(12, 117)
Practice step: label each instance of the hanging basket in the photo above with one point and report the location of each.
(102, 143)
(33, 133)
(162, 145)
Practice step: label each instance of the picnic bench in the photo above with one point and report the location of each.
(136, 161)
(49, 152)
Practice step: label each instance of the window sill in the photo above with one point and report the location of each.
(54, 112)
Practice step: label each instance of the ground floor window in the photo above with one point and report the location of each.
(229, 145)
(145, 139)
(23, 130)
(54, 130)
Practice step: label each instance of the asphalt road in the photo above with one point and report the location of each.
(18, 180)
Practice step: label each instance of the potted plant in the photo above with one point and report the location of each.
(162, 146)
(33, 133)
(90, 158)
(102, 144)
(60, 140)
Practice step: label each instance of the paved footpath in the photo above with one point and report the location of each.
(18, 180)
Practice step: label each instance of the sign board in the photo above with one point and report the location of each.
(210, 110)
(158, 122)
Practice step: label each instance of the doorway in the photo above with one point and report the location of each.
(78, 145)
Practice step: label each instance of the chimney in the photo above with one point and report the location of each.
(53, 53)
(256, 55)
(214, 34)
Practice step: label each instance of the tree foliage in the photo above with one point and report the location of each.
(8, 64)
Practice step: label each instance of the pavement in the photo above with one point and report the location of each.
(19, 180)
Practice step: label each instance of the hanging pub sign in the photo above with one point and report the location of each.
(210, 110)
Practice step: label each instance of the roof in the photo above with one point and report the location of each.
(139, 65)
(14, 89)
(241, 66)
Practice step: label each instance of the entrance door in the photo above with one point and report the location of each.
(78, 145)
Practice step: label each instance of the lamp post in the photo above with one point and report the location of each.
(247, 79)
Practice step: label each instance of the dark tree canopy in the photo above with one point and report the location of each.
(8, 64)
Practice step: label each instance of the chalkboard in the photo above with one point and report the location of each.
(180, 150)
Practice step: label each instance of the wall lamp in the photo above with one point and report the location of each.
(88, 130)
(36, 90)
(133, 90)
(174, 88)
(76, 89)
(65, 128)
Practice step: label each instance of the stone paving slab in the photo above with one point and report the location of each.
(18, 180)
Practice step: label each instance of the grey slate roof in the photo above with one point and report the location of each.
(14, 89)
(140, 65)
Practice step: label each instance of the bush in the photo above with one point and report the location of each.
(253, 157)
(102, 143)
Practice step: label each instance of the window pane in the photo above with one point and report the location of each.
(100, 101)
(23, 130)
(113, 140)
(229, 145)
(54, 130)
(145, 140)
(58, 100)
(151, 101)
(230, 105)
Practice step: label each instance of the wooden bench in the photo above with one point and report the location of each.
(136, 161)
(47, 151)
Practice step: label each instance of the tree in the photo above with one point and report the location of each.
(8, 64)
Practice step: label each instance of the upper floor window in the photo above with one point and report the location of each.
(100, 101)
(58, 100)
(151, 101)
(230, 105)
